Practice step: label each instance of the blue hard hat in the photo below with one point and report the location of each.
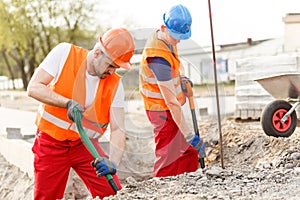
(178, 21)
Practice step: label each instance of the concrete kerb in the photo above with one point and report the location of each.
(18, 153)
(15, 127)
(17, 131)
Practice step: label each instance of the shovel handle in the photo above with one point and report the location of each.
(202, 163)
(191, 101)
(90, 147)
(189, 95)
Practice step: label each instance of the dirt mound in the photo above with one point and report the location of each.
(255, 167)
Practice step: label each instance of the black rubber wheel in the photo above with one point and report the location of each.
(271, 116)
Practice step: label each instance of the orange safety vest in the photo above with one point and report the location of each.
(149, 90)
(71, 84)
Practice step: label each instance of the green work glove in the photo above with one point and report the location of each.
(71, 105)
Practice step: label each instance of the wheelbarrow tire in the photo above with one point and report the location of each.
(270, 119)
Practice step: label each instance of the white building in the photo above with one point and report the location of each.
(242, 62)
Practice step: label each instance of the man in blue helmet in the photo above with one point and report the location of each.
(177, 148)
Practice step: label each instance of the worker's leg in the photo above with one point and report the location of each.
(188, 161)
(173, 154)
(81, 163)
(51, 167)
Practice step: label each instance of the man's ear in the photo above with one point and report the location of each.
(97, 52)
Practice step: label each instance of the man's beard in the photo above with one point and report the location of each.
(104, 75)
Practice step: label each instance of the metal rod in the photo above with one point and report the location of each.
(216, 85)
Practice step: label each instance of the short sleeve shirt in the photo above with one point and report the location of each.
(54, 63)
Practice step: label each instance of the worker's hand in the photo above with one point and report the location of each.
(103, 166)
(71, 105)
(199, 145)
(183, 80)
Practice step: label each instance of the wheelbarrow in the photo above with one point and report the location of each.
(279, 117)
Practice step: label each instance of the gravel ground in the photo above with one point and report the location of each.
(254, 166)
(234, 182)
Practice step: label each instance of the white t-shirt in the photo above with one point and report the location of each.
(54, 62)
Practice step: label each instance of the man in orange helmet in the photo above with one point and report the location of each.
(72, 77)
(177, 148)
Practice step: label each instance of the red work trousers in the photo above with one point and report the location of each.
(173, 154)
(52, 162)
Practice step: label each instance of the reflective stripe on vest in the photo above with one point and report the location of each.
(70, 126)
(150, 91)
(53, 119)
(158, 95)
(90, 133)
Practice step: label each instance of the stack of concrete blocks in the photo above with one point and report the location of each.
(251, 97)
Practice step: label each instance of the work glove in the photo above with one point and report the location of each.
(198, 144)
(71, 105)
(183, 79)
(103, 166)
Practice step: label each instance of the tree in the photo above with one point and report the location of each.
(31, 28)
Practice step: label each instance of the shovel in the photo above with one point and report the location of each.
(188, 91)
(90, 147)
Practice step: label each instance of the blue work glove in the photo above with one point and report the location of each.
(103, 166)
(71, 105)
(199, 145)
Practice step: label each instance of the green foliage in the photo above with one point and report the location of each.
(31, 28)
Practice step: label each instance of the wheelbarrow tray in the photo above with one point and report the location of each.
(279, 118)
(282, 86)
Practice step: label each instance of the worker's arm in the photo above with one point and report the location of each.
(117, 135)
(168, 91)
(182, 72)
(162, 70)
(37, 89)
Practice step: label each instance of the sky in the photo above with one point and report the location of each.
(233, 20)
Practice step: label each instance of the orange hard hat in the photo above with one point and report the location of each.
(118, 44)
